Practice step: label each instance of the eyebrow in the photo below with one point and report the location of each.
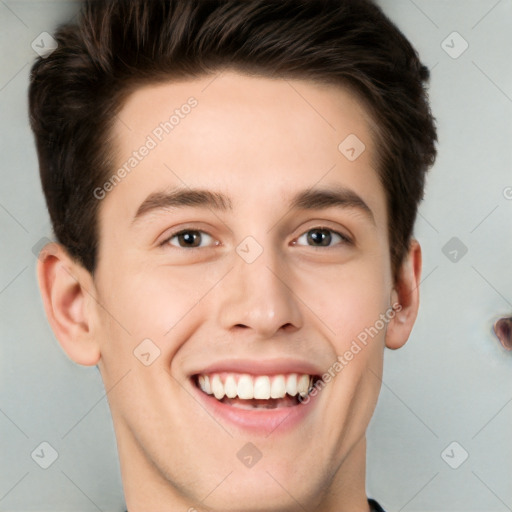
(183, 197)
(337, 197)
(310, 199)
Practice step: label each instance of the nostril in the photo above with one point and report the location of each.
(503, 330)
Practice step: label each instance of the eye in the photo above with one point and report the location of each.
(322, 237)
(188, 238)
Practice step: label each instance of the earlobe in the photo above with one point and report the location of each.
(62, 283)
(405, 298)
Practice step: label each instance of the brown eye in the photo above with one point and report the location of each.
(322, 237)
(188, 238)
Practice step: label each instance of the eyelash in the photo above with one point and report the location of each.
(344, 238)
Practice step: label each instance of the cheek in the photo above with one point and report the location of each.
(154, 303)
(349, 301)
(363, 304)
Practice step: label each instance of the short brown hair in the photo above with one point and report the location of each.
(76, 92)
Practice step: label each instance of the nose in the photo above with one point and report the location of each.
(258, 296)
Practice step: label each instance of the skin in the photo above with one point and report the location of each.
(259, 141)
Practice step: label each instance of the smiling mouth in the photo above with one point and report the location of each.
(245, 391)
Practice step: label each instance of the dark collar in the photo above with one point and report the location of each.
(374, 506)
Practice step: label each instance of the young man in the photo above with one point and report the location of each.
(233, 187)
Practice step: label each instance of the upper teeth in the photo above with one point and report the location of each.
(246, 386)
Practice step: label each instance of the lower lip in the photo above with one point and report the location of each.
(258, 421)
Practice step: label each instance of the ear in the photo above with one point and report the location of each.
(405, 298)
(64, 286)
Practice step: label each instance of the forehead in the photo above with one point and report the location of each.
(258, 139)
(230, 97)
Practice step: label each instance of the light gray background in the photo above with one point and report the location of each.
(452, 382)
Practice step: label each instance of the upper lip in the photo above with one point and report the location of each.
(261, 367)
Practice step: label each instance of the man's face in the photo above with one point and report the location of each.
(250, 286)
